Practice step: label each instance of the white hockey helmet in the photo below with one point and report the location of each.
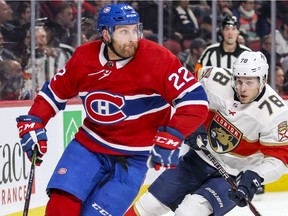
(251, 64)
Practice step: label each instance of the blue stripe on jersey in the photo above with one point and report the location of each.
(135, 106)
(51, 98)
(197, 95)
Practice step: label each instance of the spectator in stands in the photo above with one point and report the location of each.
(190, 56)
(21, 42)
(43, 69)
(59, 51)
(11, 81)
(6, 15)
(265, 48)
(225, 53)
(285, 82)
(148, 12)
(184, 21)
(63, 24)
(48, 60)
(241, 40)
(22, 14)
(90, 11)
(263, 25)
(200, 9)
(279, 80)
(281, 38)
(88, 29)
(248, 19)
(5, 54)
(205, 29)
(281, 12)
(224, 9)
(47, 9)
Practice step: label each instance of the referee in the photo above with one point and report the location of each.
(223, 54)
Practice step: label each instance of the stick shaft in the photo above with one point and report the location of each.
(30, 183)
(224, 173)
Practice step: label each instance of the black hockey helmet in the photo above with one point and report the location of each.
(230, 21)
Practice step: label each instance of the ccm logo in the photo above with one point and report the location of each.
(100, 209)
(26, 126)
(166, 141)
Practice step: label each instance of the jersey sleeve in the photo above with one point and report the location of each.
(55, 93)
(186, 95)
(274, 138)
(274, 146)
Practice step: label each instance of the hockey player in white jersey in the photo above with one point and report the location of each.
(246, 131)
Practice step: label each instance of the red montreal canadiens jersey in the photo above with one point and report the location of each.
(242, 135)
(126, 100)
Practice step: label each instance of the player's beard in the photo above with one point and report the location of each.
(127, 50)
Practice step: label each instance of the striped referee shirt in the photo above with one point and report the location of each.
(214, 55)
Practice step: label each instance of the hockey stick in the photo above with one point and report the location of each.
(30, 181)
(223, 172)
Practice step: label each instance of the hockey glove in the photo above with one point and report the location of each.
(192, 138)
(32, 132)
(165, 152)
(248, 184)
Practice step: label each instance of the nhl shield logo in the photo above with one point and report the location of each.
(223, 136)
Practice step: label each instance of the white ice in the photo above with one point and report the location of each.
(267, 204)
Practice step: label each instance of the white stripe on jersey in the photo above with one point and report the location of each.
(59, 100)
(48, 99)
(114, 145)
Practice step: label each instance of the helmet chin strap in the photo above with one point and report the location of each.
(110, 45)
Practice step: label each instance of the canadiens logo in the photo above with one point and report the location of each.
(283, 131)
(107, 9)
(224, 137)
(62, 171)
(104, 107)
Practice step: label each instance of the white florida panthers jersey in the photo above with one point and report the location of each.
(245, 136)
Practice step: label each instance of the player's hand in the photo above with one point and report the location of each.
(32, 132)
(248, 183)
(201, 133)
(165, 152)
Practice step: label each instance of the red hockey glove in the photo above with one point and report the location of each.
(165, 152)
(32, 132)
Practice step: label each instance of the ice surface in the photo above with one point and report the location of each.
(268, 204)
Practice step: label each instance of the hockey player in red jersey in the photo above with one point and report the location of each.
(247, 129)
(128, 86)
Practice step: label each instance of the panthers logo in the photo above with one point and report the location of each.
(223, 136)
